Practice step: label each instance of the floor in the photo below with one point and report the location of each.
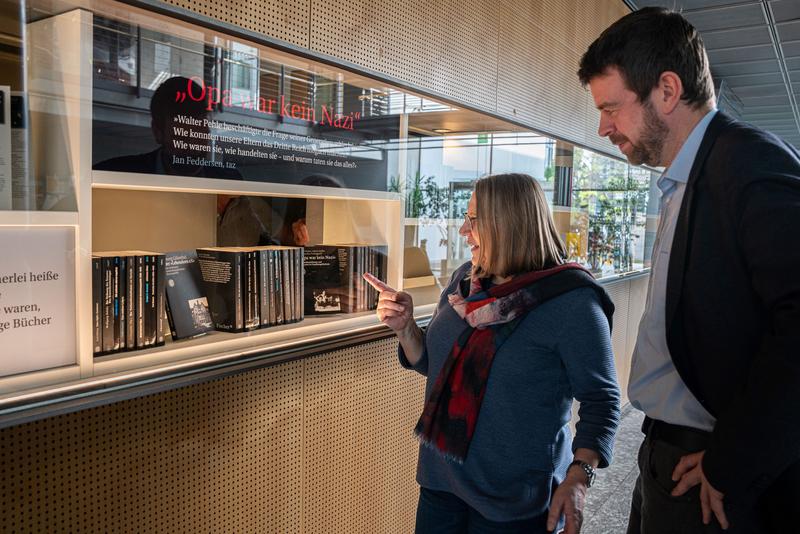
(608, 501)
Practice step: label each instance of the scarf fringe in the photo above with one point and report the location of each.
(428, 444)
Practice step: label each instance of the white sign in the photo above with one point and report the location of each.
(37, 298)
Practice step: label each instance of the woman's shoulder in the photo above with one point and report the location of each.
(575, 305)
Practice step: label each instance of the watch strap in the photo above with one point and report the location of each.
(588, 470)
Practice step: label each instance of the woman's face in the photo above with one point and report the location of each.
(469, 229)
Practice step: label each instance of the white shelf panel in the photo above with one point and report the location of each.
(161, 182)
(217, 347)
(38, 218)
(41, 380)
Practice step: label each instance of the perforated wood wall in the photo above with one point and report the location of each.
(516, 59)
(316, 445)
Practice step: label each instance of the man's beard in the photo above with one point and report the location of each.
(651, 143)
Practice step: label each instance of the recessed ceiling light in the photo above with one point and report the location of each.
(442, 130)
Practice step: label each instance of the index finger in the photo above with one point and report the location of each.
(377, 283)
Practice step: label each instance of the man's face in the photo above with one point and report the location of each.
(633, 126)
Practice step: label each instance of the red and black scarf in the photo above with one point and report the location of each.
(451, 412)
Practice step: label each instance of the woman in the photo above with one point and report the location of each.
(517, 335)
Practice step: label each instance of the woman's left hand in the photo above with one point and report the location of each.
(568, 500)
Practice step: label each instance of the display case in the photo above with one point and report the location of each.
(134, 137)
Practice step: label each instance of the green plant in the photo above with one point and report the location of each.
(424, 198)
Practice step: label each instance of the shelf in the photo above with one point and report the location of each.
(176, 364)
(161, 182)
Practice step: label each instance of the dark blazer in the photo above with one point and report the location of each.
(733, 304)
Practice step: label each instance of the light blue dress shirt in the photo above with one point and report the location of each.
(655, 386)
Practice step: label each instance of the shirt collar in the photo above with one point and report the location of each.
(681, 166)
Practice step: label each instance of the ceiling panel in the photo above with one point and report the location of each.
(791, 49)
(789, 31)
(761, 91)
(758, 72)
(766, 101)
(737, 37)
(754, 79)
(785, 10)
(747, 67)
(738, 54)
(702, 4)
(718, 18)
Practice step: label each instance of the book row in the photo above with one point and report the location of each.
(128, 304)
(233, 289)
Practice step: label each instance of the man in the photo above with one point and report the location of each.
(716, 367)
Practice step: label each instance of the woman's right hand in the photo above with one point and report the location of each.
(395, 308)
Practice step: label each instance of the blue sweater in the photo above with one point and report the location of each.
(522, 443)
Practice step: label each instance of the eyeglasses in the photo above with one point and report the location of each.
(469, 221)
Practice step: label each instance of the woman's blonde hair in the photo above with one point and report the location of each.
(516, 230)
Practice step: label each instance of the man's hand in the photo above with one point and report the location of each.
(568, 500)
(689, 473)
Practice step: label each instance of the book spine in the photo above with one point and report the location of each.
(263, 286)
(238, 270)
(123, 303)
(160, 280)
(149, 290)
(141, 297)
(290, 256)
(130, 299)
(298, 278)
(108, 304)
(115, 304)
(279, 319)
(286, 279)
(171, 321)
(273, 312)
(97, 306)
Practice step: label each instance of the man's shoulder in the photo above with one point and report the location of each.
(742, 150)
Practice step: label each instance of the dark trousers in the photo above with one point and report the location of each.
(655, 511)
(439, 512)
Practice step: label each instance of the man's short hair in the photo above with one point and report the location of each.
(644, 44)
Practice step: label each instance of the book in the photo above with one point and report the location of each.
(333, 277)
(128, 300)
(97, 305)
(222, 272)
(187, 305)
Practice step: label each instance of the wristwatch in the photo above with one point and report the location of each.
(587, 469)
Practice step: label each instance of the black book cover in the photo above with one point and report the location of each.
(298, 288)
(278, 287)
(141, 298)
(221, 269)
(159, 297)
(108, 304)
(328, 280)
(264, 288)
(187, 303)
(272, 283)
(122, 301)
(130, 301)
(149, 305)
(97, 305)
(253, 305)
(286, 276)
(380, 263)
